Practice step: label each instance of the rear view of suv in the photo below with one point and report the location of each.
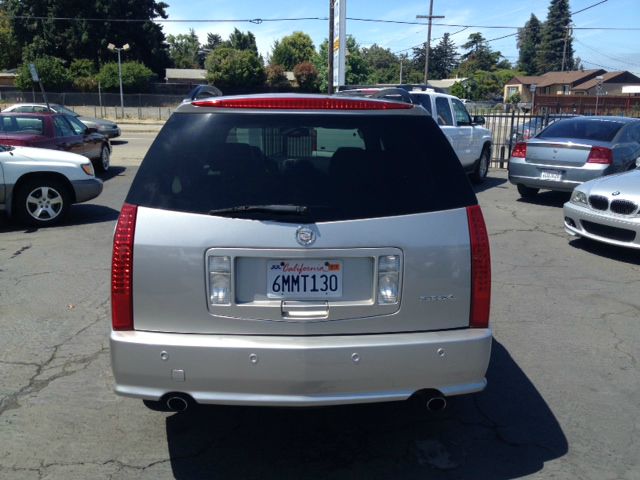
(297, 251)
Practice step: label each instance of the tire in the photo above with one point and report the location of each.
(527, 192)
(42, 202)
(482, 167)
(104, 161)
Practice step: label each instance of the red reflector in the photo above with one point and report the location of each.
(600, 155)
(122, 269)
(480, 269)
(520, 150)
(302, 103)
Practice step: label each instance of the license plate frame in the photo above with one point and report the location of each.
(552, 175)
(296, 279)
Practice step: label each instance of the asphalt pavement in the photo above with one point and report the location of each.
(563, 399)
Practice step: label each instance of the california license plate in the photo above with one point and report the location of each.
(553, 175)
(304, 279)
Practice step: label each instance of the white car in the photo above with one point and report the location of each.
(470, 140)
(38, 185)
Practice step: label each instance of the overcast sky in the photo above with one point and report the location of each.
(609, 49)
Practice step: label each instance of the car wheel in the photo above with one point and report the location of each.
(482, 168)
(42, 202)
(527, 192)
(105, 159)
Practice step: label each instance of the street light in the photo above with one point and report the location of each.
(125, 47)
(599, 79)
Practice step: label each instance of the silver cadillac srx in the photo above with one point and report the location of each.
(299, 250)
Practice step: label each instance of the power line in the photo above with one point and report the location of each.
(606, 55)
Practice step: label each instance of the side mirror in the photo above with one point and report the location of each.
(478, 120)
(90, 130)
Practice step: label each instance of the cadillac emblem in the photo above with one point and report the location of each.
(305, 236)
(615, 194)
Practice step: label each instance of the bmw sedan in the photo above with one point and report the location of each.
(575, 150)
(606, 210)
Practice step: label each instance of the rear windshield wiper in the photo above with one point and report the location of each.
(289, 209)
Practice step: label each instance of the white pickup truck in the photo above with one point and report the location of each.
(470, 140)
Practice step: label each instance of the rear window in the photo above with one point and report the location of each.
(422, 99)
(337, 166)
(22, 125)
(583, 129)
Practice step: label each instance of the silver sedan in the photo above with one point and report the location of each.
(575, 150)
(606, 210)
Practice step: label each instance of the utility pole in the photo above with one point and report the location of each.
(568, 31)
(330, 49)
(430, 17)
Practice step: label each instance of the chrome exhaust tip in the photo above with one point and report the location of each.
(177, 403)
(436, 404)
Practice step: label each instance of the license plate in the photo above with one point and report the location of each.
(552, 175)
(304, 279)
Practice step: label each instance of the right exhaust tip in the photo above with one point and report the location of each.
(436, 404)
(177, 404)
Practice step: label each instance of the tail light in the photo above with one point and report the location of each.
(601, 155)
(480, 269)
(122, 269)
(520, 150)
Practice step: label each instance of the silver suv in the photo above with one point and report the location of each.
(296, 251)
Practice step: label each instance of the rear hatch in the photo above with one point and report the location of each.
(301, 224)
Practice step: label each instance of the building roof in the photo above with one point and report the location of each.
(446, 82)
(609, 77)
(557, 78)
(186, 73)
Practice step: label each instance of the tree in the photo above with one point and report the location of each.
(229, 67)
(479, 56)
(213, 41)
(135, 76)
(443, 59)
(554, 33)
(183, 50)
(276, 77)
(89, 39)
(242, 41)
(83, 74)
(52, 72)
(529, 38)
(9, 50)
(357, 69)
(382, 63)
(306, 76)
(292, 50)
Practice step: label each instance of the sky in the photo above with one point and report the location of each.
(611, 48)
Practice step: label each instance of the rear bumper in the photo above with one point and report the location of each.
(87, 189)
(299, 371)
(530, 174)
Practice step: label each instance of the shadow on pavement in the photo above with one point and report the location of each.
(548, 199)
(489, 182)
(112, 172)
(506, 432)
(80, 214)
(119, 142)
(621, 254)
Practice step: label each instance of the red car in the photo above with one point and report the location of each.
(55, 131)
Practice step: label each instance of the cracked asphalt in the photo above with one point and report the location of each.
(563, 399)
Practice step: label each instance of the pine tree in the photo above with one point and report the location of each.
(554, 32)
(529, 38)
(443, 58)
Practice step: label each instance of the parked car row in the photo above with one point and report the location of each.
(595, 158)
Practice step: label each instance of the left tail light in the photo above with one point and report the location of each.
(480, 269)
(122, 269)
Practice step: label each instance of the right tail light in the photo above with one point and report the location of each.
(601, 155)
(480, 269)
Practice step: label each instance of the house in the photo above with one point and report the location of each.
(570, 83)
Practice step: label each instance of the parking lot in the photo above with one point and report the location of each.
(562, 402)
